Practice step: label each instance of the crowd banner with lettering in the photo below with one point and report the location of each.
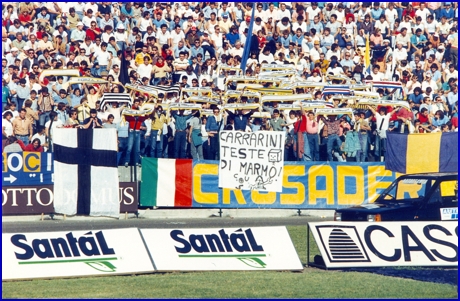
(234, 249)
(166, 182)
(27, 169)
(362, 244)
(251, 161)
(305, 185)
(73, 254)
(32, 200)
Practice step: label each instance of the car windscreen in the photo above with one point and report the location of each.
(411, 189)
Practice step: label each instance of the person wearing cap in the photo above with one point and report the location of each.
(434, 40)
(121, 37)
(399, 53)
(191, 37)
(12, 56)
(429, 82)
(78, 35)
(225, 23)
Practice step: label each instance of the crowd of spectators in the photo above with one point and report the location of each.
(415, 43)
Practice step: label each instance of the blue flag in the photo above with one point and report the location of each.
(247, 44)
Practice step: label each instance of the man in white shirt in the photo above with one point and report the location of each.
(237, 50)
(115, 72)
(176, 36)
(283, 12)
(180, 65)
(266, 56)
(103, 58)
(272, 12)
(89, 18)
(422, 12)
(429, 82)
(403, 38)
(376, 74)
(145, 69)
(400, 53)
(315, 52)
(163, 35)
(313, 11)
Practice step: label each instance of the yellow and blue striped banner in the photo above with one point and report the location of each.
(422, 153)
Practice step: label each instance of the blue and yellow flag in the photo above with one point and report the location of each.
(422, 153)
(367, 57)
(247, 44)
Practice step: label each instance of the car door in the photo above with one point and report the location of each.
(430, 206)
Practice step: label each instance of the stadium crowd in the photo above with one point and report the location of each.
(184, 43)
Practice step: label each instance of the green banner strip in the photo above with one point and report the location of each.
(70, 260)
(240, 255)
(149, 183)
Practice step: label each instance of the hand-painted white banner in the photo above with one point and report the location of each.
(362, 244)
(73, 253)
(267, 248)
(251, 161)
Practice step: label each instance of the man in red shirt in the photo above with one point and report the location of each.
(25, 18)
(300, 129)
(134, 136)
(312, 136)
(93, 32)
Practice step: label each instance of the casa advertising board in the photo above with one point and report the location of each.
(350, 244)
(73, 254)
(219, 249)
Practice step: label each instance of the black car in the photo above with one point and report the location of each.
(416, 197)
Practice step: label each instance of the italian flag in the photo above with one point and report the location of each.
(166, 182)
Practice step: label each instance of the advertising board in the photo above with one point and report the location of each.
(73, 253)
(239, 249)
(27, 169)
(361, 244)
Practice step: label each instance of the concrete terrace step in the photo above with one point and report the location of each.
(186, 214)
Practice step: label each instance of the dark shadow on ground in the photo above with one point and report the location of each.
(436, 275)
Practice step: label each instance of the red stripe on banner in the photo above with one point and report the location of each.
(183, 195)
